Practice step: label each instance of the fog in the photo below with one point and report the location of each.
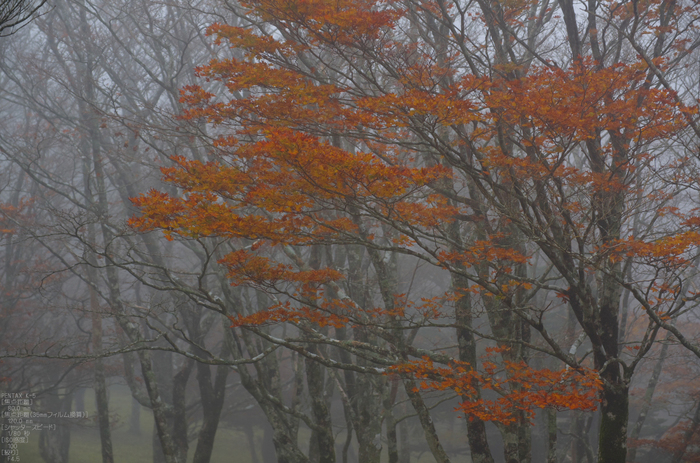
(353, 231)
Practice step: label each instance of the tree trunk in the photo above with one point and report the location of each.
(135, 417)
(323, 442)
(158, 455)
(405, 447)
(103, 413)
(54, 444)
(427, 422)
(101, 399)
(551, 435)
(283, 432)
(212, 405)
(466, 342)
(390, 422)
(179, 409)
(646, 401)
(612, 445)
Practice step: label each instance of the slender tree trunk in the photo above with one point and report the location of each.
(405, 447)
(323, 441)
(284, 435)
(426, 421)
(391, 435)
(648, 395)
(101, 399)
(158, 455)
(476, 429)
(213, 396)
(551, 435)
(135, 417)
(90, 147)
(368, 426)
(368, 392)
(180, 408)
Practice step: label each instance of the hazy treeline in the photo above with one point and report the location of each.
(91, 104)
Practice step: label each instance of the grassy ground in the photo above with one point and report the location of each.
(231, 446)
(129, 447)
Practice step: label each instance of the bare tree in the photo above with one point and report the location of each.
(14, 13)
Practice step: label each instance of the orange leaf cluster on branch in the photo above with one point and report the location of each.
(328, 315)
(519, 386)
(288, 188)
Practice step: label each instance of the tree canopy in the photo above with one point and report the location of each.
(339, 226)
(539, 168)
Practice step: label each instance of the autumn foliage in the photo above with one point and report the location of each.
(400, 146)
(518, 387)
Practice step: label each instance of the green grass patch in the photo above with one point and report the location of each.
(129, 447)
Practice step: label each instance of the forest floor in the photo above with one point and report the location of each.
(231, 445)
(129, 447)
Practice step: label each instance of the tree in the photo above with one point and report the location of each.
(464, 135)
(95, 150)
(405, 214)
(16, 12)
